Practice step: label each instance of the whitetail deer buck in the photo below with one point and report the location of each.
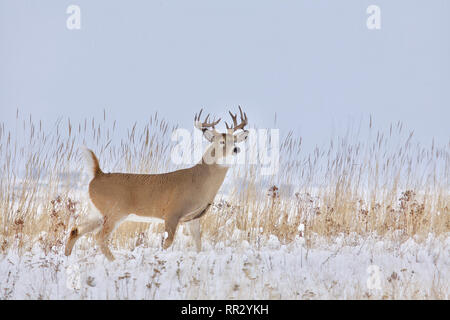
(175, 197)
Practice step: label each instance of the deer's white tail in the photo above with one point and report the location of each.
(91, 162)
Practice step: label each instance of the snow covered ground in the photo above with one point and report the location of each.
(349, 267)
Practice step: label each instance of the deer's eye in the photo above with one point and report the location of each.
(222, 142)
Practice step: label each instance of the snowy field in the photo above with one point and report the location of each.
(349, 267)
(327, 208)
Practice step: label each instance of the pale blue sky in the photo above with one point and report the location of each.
(313, 62)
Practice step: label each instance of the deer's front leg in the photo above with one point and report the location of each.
(195, 229)
(170, 226)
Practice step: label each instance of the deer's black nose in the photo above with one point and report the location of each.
(236, 150)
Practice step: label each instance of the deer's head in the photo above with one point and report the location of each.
(223, 144)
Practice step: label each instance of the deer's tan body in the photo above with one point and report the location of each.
(183, 193)
(175, 197)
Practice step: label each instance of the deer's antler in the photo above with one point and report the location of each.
(236, 126)
(205, 124)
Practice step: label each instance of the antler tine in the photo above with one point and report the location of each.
(243, 116)
(216, 122)
(234, 117)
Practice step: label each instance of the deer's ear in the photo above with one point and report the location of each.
(209, 135)
(241, 136)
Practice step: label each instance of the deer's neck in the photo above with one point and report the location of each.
(212, 172)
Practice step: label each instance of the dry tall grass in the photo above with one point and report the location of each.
(381, 183)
